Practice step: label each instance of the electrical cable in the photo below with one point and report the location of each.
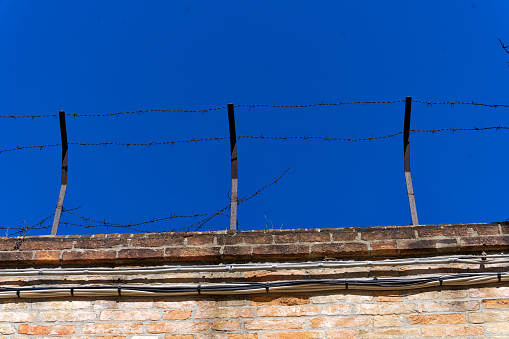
(315, 285)
(475, 260)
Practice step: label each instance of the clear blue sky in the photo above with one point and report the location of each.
(99, 57)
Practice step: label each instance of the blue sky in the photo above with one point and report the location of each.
(100, 57)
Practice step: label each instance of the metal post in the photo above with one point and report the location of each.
(63, 186)
(408, 177)
(235, 177)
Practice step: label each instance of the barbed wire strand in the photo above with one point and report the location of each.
(140, 112)
(198, 225)
(173, 142)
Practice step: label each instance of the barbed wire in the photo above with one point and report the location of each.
(140, 112)
(322, 104)
(326, 138)
(452, 103)
(198, 225)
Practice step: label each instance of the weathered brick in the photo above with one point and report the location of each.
(179, 336)
(46, 330)
(249, 238)
(449, 306)
(486, 229)
(141, 254)
(489, 292)
(387, 320)
(45, 243)
(223, 312)
(177, 314)
(16, 257)
(389, 333)
(482, 243)
(134, 303)
(452, 331)
(199, 240)
(387, 233)
(382, 309)
(178, 327)
(341, 334)
(237, 336)
(86, 256)
(47, 257)
(498, 328)
(278, 251)
(159, 240)
(61, 305)
(441, 231)
(287, 311)
(301, 236)
(293, 335)
(183, 302)
(384, 247)
(388, 296)
(339, 250)
(237, 252)
(336, 309)
(437, 319)
(70, 316)
(351, 297)
(17, 317)
(210, 254)
(226, 325)
(288, 300)
(7, 329)
(495, 303)
(101, 243)
(344, 234)
(410, 247)
(333, 322)
(439, 295)
(488, 317)
(13, 282)
(280, 324)
(112, 328)
(144, 315)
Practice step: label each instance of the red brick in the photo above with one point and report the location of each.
(159, 240)
(100, 243)
(226, 325)
(46, 330)
(178, 327)
(280, 324)
(482, 243)
(237, 252)
(301, 236)
(384, 247)
(293, 335)
(279, 251)
(442, 231)
(112, 328)
(47, 257)
(86, 256)
(437, 319)
(248, 238)
(410, 247)
(46, 243)
(199, 240)
(16, 257)
(487, 229)
(452, 331)
(495, 303)
(389, 233)
(141, 254)
(210, 254)
(282, 299)
(339, 250)
(345, 234)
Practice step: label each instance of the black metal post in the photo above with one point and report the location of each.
(408, 177)
(63, 186)
(235, 177)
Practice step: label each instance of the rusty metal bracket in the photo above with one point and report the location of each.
(235, 177)
(63, 186)
(408, 177)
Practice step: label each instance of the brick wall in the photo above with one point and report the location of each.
(476, 311)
